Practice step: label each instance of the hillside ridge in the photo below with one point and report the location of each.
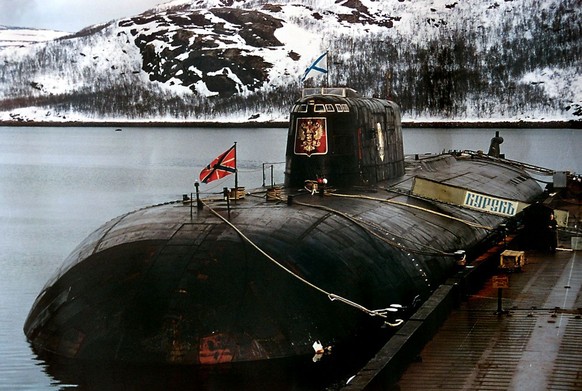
(231, 61)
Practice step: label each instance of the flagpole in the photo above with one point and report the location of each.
(235, 175)
(328, 68)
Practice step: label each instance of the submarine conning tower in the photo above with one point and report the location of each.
(337, 135)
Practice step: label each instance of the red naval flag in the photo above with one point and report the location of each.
(223, 165)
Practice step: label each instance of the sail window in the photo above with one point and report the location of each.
(302, 108)
(329, 108)
(319, 108)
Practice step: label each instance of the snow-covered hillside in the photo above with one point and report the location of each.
(231, 60)
(11, 36)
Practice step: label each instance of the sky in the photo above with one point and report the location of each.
(68, 15)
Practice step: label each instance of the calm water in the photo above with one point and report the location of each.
(59, 184)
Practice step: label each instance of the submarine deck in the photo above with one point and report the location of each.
(534, 343)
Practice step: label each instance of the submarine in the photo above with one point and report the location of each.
(356, 238)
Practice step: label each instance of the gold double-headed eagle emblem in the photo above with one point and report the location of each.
(310, 134)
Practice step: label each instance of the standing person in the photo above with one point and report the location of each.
(553, 233)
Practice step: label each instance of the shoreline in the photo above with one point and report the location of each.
(573, 124)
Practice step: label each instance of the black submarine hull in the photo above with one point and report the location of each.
(259, 279)
(157, 285)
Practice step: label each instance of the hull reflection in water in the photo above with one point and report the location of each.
(301, 373)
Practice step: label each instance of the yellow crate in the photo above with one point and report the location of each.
(511, 259)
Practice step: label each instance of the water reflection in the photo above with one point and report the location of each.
(109, 376)
(297, 374)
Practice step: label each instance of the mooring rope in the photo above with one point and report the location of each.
(332, 296)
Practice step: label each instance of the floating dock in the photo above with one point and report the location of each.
(467, 337)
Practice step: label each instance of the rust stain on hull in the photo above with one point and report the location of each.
(214, 349)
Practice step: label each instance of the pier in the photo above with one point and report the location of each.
(473, 335)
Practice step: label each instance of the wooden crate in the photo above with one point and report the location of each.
(512, 260)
